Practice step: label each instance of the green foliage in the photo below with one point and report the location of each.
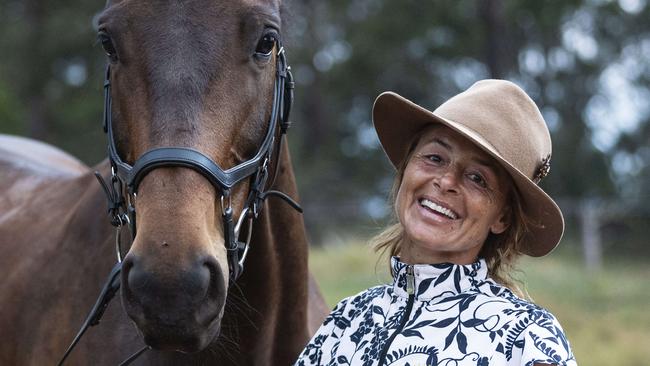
(52, 74)
(10, 113)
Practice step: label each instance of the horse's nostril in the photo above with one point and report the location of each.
(216, 276)
(217, 290)
(127, 265)
(211, 264)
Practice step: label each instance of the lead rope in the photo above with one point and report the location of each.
(119, 217)
(134, 356)
(108, 292)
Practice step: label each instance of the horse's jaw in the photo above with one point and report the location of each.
(174, 340)
(180, 340)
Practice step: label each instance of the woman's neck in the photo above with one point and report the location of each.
(412, 253)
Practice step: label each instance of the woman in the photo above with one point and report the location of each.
(467, 205)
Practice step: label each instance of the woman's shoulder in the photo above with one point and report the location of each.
(496, 291)
(346, 310)
(527, 328)
(514, 308)
(364, 298)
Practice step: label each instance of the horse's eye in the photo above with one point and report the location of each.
(107, 44)
(266, 44)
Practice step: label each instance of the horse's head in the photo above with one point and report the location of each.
(198, 74)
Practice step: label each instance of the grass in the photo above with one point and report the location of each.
(605, 313)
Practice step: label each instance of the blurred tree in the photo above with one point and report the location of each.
(49, 73)
(563, 53)
(586, 63)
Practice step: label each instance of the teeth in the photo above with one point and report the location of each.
(435, 207)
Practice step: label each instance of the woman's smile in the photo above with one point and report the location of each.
(437, 208)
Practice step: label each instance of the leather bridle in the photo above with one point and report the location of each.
(125, 179)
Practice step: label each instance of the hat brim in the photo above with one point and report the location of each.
(397, 120)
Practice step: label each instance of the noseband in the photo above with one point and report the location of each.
(122, 189)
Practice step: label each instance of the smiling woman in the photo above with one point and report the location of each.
(467, 204)
(449, 199)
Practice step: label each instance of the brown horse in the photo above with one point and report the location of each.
(194, 74)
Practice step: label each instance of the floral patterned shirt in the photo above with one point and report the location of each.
(441, 314)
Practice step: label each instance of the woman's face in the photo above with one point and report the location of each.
(451, 197)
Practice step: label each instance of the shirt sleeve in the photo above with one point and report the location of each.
(544, 342)
(326, 339)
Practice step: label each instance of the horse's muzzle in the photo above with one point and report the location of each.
(177, 308)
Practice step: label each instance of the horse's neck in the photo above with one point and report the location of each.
(272, 305)
(61, 253)
(89, 237)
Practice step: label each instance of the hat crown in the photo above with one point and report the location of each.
(507, 120)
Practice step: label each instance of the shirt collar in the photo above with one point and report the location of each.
(437, 281)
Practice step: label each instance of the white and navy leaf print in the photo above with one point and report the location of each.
(457, 316)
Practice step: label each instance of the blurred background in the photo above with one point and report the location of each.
(586, 64)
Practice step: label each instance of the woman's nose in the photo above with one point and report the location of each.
(447, 181)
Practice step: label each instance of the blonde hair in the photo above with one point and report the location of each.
(500, 251)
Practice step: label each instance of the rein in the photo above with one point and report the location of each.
(121, 190)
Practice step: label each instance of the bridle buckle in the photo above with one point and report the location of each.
(243, 246)
(123, 219)
(225, 209)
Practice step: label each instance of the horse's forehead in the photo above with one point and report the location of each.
(163, 28)
(157, 10)
(183, 43)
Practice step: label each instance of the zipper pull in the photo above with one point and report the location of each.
(410, 280)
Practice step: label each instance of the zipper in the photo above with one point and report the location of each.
(410, 289)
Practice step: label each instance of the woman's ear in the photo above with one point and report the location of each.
(502, 222)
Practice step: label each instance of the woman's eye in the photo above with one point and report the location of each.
(434, 158)
(107, 44)
(478, 179)
(266, 44)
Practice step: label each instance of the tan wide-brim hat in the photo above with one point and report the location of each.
(502, 120)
